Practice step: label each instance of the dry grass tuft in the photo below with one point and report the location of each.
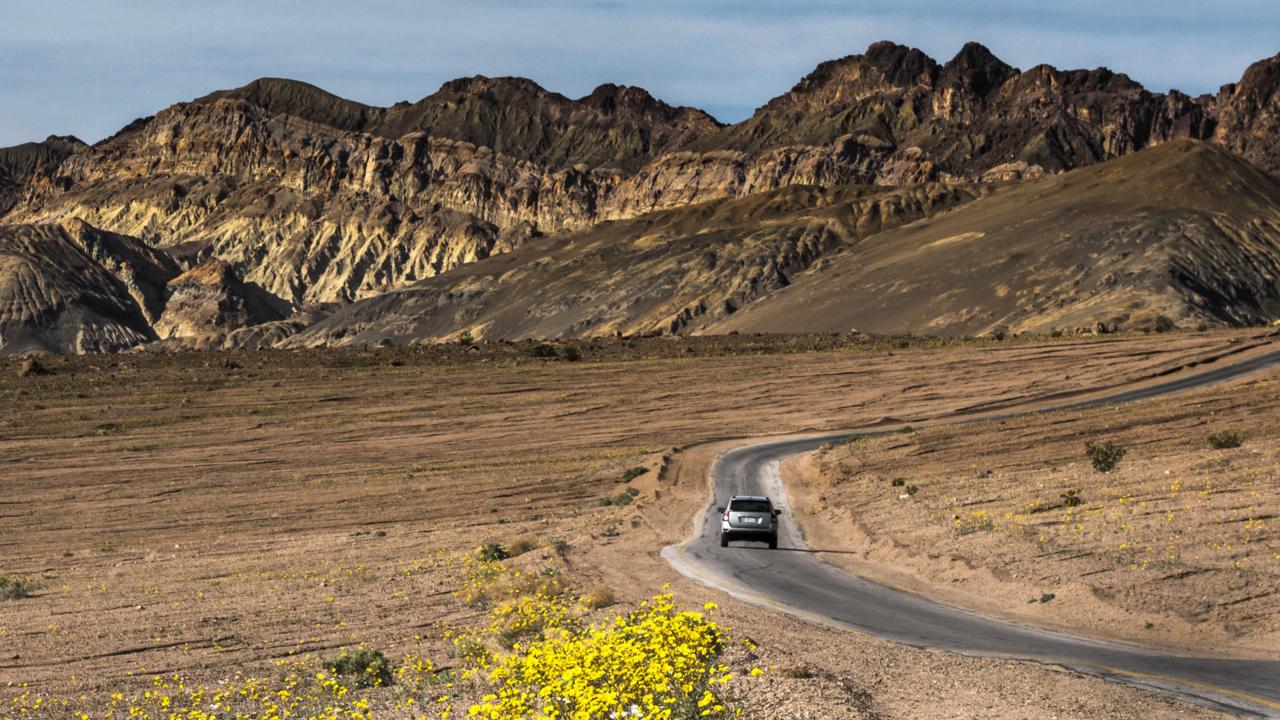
(599, 597)
(522, 545)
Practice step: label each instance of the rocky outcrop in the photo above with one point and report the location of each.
(209, 301)
(21, 164)
(1249, 115)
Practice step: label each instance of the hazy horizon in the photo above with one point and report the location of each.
(75, 68)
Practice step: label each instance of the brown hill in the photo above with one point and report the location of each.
(663, 273)
(72, 288)
(1182, 233)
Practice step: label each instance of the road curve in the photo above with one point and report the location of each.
(795, 581)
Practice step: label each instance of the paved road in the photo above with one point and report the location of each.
(793, 580)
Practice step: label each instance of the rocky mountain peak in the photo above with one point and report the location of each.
(976, 70)
(281, 96)
(628, 100)
(497, 87)
(885, 67)
(1260, 82)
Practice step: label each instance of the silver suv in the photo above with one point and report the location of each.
(749, 517)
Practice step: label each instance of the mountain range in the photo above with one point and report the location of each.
(885, 192)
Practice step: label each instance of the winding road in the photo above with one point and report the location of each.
(795, 581)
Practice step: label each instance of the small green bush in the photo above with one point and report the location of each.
(1104, 456)
(14, 588)
(623, 498)
(369, 668)
(543, 350)
(493, 552)
(912, 489)
(633, 473)
(571, 354)
(898, 482)
(1226, 439)
(465, 338)
(1071, 498)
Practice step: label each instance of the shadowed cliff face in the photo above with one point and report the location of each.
(312, 198)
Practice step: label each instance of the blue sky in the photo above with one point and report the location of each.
(89, 67)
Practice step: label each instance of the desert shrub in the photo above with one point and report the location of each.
(571, 353)
(1164, 324)
(912, 489)
(493, 552)
(623, 498)
(1046, 597)
(1071, 498)
(796, 672)
(14, 588)
(368, 668)
(521, 545)
(999, 332)
(465, 338)
(898, 482)
(543, 350)
(1226, 439)
(633, 473)
(600, 597)
(1104, 456)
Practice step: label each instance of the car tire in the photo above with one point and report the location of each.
(724, 540)
(773, 543)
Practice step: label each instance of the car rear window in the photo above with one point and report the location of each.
(750, 506)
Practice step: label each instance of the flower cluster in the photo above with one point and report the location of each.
(655, 663)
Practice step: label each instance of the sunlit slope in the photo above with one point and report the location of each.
(1183, 232)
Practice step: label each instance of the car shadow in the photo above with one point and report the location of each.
(811, 551)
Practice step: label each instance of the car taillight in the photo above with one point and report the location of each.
(725, 517)
(773, 520)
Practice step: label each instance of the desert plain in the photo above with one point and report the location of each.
(204, 516)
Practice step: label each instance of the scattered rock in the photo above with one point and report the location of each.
(30, 367)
